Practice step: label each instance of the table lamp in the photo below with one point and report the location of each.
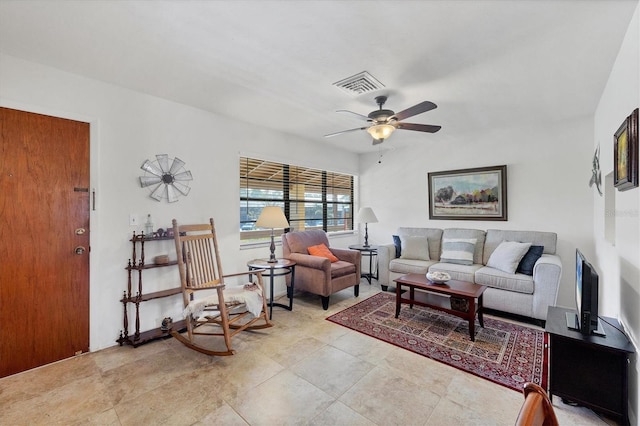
(366, 216)
(272, 217)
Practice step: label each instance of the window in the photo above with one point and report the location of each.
(310, 198)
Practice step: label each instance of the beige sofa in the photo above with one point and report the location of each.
(318, 275)
(515, 293)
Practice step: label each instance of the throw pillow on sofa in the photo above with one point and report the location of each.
(398, 244)
(458, 250)
(507, 256)
(322, 250)
(529, 260)
(414, 248)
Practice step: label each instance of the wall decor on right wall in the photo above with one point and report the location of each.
(596, 175)
(625, 154)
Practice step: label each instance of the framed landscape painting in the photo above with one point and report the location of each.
(625, 154)
(469, 194)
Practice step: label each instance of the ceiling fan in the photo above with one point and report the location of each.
(384, 121)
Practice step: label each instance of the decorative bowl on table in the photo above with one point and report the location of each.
(438, 277)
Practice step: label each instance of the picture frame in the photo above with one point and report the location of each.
(625, 154)
(468, 194)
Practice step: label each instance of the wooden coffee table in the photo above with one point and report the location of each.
(459, 298)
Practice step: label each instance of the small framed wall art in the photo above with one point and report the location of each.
(625, 154)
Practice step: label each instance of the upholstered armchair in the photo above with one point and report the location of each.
(316, 274)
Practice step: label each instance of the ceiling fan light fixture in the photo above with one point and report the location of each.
(383, 122)
(381, 131)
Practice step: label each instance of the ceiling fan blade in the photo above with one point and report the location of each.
(360, 116)
(344, 131)
(415, 110)
(418, 127)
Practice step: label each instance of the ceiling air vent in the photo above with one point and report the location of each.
(359, 84)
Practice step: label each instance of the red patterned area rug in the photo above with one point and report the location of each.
(505, 353)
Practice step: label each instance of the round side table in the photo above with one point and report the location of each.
(276, 269)
(371, 252)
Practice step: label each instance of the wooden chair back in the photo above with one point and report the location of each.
(197, 247)
(537, 409)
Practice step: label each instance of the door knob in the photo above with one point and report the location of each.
(80, 250)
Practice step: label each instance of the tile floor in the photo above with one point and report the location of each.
(304, 370)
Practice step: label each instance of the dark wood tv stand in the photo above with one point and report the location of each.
(592, 370)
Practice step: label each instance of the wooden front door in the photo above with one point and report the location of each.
(44, 239)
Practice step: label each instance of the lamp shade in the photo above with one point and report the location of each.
(366, 215)
(381, 131)
(272, 217)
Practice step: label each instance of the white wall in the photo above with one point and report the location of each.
(548, 170)
(617, 258)
(129, 127)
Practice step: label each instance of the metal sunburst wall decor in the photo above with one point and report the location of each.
(164, 180)
(596, 176)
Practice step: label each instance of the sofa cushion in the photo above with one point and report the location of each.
(342, 268)
(507, 256)
(495, 278)
(466, 233)
(456, 271)
(434, 235)
(458, 250)
(529, 260)
(414, 247)
(410, 266)
(322, 251)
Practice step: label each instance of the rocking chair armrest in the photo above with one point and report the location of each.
(207, 287)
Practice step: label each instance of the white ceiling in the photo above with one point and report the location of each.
(486, 64)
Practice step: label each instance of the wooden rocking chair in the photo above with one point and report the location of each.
(537, 409)
(211, 308)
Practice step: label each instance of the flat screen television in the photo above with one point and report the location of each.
(585, 319)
